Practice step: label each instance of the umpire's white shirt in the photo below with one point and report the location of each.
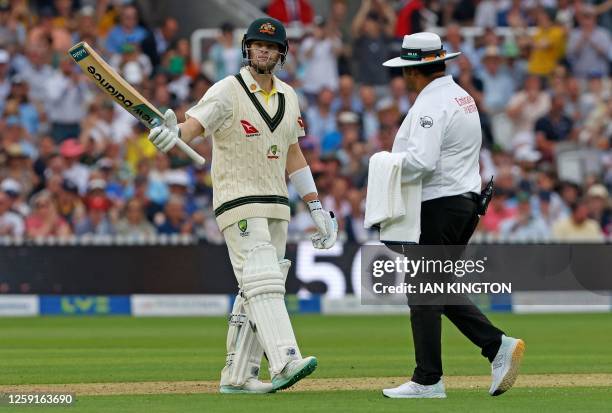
(440, 138)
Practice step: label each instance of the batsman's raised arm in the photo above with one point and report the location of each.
(207, 116)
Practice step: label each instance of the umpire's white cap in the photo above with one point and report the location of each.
(421, 49)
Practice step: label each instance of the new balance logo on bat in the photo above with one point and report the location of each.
(106, 85)
(249, 129)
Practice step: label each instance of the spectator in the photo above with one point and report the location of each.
(178, 184)
(547, 203)
(71, 150)
(454, 43)
(337, 201)
(409, 19)
(570, 193)
(346, 98)
(225, 54)
(45, 32)
(598, 202)
(66, 100)
(548, 44)
(553, 128)
(5, 82)
(86, 25)
(355, 231)
(524, 226)
(578, 226)
(134, 222)
(165, 35)
(14, 191)
(320, 52)
(44, 221)
(497, 212)
(69, 204)
(320, 119)
(399, 95)
(590, 46)
(512, 16)
(372, 30)
(348, 129)
(497, 83)
(97, 220)
(175, 220)
(28, 115)
(12, 32)
(133, 65)
(486, 14)
(127, 31)
(574, 108)
(19, 168)
(11, 223)
(291, 11)
(525, 108)
(36, 72)
(369, 113)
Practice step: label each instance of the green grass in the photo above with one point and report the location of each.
(121, 349)
(118, 349)
(542, 400)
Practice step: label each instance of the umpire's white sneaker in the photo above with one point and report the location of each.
(412, 390)
(251, 386)
(505, 366)
(293, 372)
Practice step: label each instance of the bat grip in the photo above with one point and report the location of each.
(196, 157)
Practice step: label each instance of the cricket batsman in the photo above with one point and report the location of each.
(255, 123)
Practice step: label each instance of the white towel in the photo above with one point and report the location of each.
(384, 196)
(407, 228)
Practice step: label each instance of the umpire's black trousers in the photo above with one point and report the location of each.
(448, 221)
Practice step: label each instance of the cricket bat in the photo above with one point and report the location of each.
(109, 81)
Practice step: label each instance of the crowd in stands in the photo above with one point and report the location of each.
(74, 163)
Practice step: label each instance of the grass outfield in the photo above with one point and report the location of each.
(50, 350)
(542, 400)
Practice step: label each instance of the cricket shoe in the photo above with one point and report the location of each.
(412, 390)
(251, 386)
(505, 366)
(293, 372)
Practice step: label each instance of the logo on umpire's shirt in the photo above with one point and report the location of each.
(249, 129)
(426, 122)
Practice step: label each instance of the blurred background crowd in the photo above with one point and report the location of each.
(74, 163)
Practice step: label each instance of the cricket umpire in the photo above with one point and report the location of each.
(440, 139)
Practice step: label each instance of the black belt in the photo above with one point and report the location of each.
(471, 195)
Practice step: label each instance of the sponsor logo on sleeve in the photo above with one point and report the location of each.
(426, 122)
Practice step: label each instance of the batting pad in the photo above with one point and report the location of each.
(263, 285)
(243, 349)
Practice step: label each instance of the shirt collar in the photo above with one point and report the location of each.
(441, 81)
(254, 87)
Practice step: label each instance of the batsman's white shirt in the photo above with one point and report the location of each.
(251, 133)
(440, 138)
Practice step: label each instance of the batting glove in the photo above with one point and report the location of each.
(164, 137)
(327, 226)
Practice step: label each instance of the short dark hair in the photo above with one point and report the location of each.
(430, 69)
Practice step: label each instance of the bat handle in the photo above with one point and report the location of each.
(196, 157)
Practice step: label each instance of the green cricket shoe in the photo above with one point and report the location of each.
(293, 372)
(251, 386)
